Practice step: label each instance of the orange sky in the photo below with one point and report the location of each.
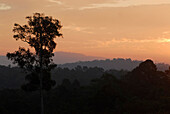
(137, 29)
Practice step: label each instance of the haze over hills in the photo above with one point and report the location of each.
(4, 61)
(68, 57)
(71, 60)
(60, 58)
(116, 63)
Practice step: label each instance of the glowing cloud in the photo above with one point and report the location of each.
(56, 1)
(4, 6)
(125, 3)
(110, 43)
(79, 29)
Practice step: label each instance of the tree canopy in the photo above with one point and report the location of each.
(39, 33)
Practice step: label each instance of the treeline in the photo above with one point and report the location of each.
(83, 74)
(143, 90)
(13, 78)
(115, 63)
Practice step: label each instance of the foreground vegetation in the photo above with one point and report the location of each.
(143, 90)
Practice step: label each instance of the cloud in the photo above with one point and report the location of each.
(64, 6)
(124, 3)
(93, 6)
(79, 29)
(56, 1)
(164, 40)
(114, 41)
(4, 6)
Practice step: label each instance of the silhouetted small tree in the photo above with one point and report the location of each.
(39, 33)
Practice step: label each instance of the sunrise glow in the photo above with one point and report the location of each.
(137, 29)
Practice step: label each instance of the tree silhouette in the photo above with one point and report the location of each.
(39, 33)
(145, 80)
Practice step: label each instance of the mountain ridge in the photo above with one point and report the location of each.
(71, 60)
(59, 58)
(115, 63)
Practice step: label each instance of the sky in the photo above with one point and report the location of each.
(137, 29)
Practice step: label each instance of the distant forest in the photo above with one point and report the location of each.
(86, 90)
(84, 72)
(115, 63)
(14, 77)
(72, 60)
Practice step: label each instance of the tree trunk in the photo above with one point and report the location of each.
(41, 77)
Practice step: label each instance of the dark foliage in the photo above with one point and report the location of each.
(147, 80)
(107, 64)
(13, 78)
(39, 33)
(142, 91)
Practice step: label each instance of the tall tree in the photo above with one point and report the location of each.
(39, 33)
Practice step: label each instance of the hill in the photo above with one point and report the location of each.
(116, 63)
(68, 57)
(71, 60)
(59, 58)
